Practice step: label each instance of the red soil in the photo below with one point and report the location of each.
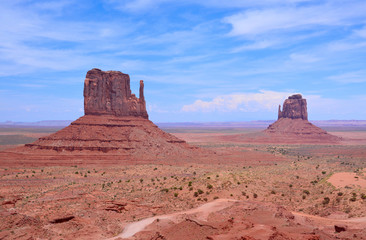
(225, 219)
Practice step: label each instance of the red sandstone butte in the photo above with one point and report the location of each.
(293, 124)
(115, 126)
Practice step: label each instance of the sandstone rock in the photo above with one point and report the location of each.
(340, 228)
(109, 93)
(293, 126)
(294, 107)
(115, 126)
(62, 219)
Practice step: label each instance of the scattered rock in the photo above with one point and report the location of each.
(116, 207)
(340, 228)
(62, 220)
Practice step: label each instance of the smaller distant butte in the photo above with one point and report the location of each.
(293, 124)
(291, 127)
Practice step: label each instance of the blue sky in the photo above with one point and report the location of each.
(207, 60)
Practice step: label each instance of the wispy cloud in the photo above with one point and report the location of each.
(303, 58)
(255, 22)
(258, 45)
(350, 77)
(243, 102)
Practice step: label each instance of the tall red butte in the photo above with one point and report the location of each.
(115, 127)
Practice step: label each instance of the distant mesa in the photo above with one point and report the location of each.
(293, 124)
(115, 124)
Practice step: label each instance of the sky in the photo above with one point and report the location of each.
(201, 61)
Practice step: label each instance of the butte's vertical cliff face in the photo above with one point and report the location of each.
(295, 107)
(109, 93)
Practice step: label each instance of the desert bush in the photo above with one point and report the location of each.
(209, 186)
(255, 195)
(175, 194)
(326, 200)
(199, 191)
(306, 192)
(340, 194)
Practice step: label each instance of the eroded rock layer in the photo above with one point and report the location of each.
(108, 134)
(287, 128)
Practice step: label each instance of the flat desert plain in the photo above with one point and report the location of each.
(240, 190)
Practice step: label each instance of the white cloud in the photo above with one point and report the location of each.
(143, 5)
(350, 77)
(135, 5)
(255, 46)
(255, 22)
(361, 32)
(242, 102)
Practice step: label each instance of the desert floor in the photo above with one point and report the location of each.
(318, 186)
